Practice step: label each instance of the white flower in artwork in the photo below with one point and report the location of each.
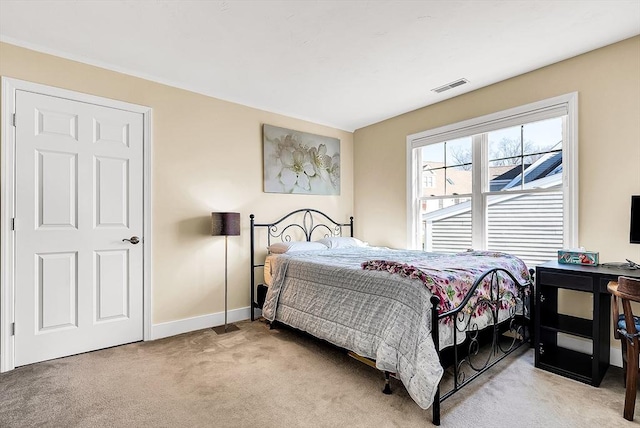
(320, 161)
(296, 170)
(334, 170)
(298, 162)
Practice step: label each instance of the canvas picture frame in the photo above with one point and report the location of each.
(298, 162)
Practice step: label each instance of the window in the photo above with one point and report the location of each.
(429, 178)
(503, 182)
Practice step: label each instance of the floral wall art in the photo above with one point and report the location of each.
(299, 162)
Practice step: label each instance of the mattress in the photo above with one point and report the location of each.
(269, 264)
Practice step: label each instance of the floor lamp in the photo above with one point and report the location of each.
(225, 224)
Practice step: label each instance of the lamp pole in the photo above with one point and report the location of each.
(225, 224)
(226, 240)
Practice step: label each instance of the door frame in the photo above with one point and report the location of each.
(7, 205)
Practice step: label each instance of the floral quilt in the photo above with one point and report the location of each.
(451, 279)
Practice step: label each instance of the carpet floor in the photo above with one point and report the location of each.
(281, 378)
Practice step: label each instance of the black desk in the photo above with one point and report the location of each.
(551, 276)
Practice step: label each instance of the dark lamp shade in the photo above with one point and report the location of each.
(225, 224)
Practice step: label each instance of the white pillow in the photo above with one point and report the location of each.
(342, 242)
(295, 246)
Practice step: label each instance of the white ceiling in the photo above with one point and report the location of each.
(345, 64)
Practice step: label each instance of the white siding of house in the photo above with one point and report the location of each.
(452, 234)
(528, 226)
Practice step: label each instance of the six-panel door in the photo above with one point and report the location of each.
(79, 184)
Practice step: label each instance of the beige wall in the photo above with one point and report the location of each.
(207, 156)
(608, 84)
(191, 178)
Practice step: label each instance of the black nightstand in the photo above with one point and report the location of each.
(550, 277)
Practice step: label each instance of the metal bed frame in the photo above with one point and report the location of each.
(458, 359)
(309, 229)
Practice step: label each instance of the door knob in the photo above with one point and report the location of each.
(134, 240)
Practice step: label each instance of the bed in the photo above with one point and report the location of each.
(410, 314)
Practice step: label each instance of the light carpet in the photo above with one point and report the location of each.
(257, 377)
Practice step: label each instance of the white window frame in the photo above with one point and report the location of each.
(566, 104)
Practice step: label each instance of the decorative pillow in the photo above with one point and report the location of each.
(295, 246)
(342, 242)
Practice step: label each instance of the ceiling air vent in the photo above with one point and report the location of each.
(451, 85)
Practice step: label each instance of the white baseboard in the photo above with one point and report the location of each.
(586, 346)
(615, 357)
(172, 328)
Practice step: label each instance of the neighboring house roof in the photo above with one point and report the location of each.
(501, 181)
(509, 171)
(547, 165)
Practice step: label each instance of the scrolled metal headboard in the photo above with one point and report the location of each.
(314, 224)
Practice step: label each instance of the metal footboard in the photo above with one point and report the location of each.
(472, 363)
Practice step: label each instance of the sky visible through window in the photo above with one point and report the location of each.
(542, 133)
(538, 137)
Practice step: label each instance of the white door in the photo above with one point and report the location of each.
(79, 193)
